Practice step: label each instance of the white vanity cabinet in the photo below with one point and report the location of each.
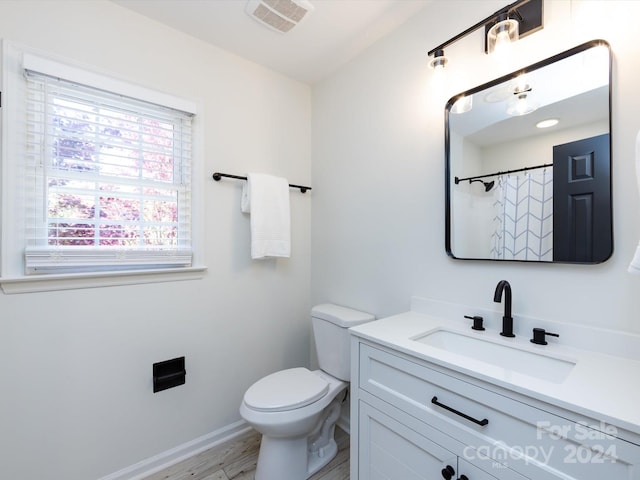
(413, 419)
(390, 449)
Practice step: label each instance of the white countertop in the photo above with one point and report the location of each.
(600, 386)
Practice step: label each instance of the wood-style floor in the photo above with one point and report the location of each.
(236, 460)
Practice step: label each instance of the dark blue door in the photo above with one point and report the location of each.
(582, 201)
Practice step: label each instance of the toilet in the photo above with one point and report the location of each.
(296, 410)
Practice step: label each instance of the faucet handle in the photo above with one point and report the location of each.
(477, 322)
(539, 335)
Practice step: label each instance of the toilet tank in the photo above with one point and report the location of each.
(331, 325)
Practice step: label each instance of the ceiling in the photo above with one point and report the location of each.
(574, 89)
(329, 36)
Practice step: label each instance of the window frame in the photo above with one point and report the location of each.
(14, 279)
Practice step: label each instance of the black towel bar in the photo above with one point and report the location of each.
(217, 176)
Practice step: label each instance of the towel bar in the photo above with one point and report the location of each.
(217, 176)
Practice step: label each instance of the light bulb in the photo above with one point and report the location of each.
(439, 61)
(503, 43)
(462, 105)
(502, 34)
(521, 106)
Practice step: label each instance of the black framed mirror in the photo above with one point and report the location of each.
(528, 163)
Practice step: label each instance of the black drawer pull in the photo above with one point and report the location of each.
(482, 422)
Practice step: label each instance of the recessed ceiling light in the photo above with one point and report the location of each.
(547, 123)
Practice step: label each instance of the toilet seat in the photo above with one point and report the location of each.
(286, 390)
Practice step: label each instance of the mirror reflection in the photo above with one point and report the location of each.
(528, 163)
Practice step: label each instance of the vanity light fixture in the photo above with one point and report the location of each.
(463, 104)
(505, 26)
(502, 34)
(439, 61)
(521, 104)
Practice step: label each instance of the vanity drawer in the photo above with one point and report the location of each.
(495, 426)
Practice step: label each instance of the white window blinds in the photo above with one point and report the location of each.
(108, 180)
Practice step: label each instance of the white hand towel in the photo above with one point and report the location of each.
(266, 198)
(634, 267)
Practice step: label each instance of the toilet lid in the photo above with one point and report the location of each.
(286, 390)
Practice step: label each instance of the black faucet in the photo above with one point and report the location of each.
(507, 319)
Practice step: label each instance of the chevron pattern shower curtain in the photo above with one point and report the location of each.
(523, 218)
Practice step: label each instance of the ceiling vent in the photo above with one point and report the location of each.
(279, 15)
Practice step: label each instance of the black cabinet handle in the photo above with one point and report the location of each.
(463, 477)
(448, 472)
(482, 422)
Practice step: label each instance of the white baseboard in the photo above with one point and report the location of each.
(177, 454)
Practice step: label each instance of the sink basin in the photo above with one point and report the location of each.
(508, 358)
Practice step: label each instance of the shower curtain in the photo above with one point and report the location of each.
(523, 221)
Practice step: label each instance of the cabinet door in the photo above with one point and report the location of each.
(473, 465)
(390, 450)
(470, 472)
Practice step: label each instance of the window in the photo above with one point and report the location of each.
(108, 180)
(96, 178)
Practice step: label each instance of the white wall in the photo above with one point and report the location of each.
(471, 206)
(76, 400)
(378, 171)
(535, 150)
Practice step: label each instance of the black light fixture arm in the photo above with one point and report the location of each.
(491, 18)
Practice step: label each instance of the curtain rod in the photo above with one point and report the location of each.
(217, 176)
(458, 180)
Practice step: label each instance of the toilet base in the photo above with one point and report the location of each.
(319, 459)
(282, 458)
(289, 459)
(300, 457)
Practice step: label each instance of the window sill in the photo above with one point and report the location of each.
(72, 281)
